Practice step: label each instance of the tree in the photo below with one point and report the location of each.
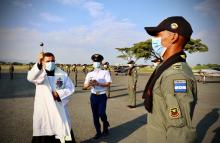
(126, 54)
(144, 50)
(195, 45)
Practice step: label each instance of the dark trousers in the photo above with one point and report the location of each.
(98, 105)
(50, 139)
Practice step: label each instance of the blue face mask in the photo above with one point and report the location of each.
(158, 48)
(50, 66)
(96, 65)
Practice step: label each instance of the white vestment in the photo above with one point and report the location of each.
(51, 117)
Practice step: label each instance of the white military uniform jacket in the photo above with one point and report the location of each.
(101, 76)
(51, 117)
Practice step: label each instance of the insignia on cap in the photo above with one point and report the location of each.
(174, 113)
(174, 26)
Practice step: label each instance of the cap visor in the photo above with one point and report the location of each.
(152, 30)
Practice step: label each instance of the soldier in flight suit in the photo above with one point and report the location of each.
(171, 92)
(132, 84)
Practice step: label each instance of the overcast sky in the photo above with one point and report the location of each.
(75, 29)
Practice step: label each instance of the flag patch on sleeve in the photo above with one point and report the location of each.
(180, 86)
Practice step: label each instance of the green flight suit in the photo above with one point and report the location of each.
(75, 74)
(68, 70)
(174, 99)
(132, 83)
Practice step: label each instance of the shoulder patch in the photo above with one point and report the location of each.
(180, 86)
(174, 113)
(177, 66)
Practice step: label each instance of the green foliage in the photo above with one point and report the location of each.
(126, 54)
(195, 45)
(143, 50)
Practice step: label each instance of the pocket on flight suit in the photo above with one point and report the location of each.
(182, 130)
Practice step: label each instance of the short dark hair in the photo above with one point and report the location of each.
(48, 54)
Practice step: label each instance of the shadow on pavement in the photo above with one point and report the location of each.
(118, 89)
(6, 76)
(125, 94)
(120, 132)
(205, 123)
(140, 104)
(17, 87)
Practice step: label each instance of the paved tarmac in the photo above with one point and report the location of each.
(127, 126)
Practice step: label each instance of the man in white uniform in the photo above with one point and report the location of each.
(98, 80)
(51, 121)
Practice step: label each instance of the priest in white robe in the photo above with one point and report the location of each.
(51, 120)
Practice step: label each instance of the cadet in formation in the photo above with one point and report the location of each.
(68, 69)
(11, 71)
(171, 92)
(85, 69)
(106, 67)
(75, 74)
(132, 84)
(98, 80)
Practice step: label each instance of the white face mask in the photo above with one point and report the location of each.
(96, 65)
(105, 66)
(50, 66)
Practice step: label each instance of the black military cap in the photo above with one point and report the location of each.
(97, 58)
(131, 62)
(176, 24)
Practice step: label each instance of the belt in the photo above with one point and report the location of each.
(99, 92)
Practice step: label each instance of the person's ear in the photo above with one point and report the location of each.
(175, 37)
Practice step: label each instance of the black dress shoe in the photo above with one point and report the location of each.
(97, 136)
(105, 129)
(105, 132)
